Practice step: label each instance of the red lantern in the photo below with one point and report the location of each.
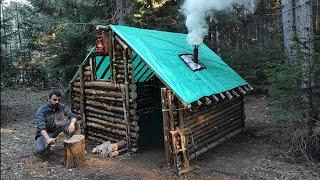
(100, 49)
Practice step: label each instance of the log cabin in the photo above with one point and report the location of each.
(132, 72)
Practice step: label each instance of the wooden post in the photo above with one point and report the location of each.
(172, 128)
(126, 113)
(181, 115)
(75, 151)
(112, 58)
(166, 127)
(92, 63)
(127, 103)
(110, 49)
(82, 99)
(71, 97)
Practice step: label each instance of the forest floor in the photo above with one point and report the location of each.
(259, 153)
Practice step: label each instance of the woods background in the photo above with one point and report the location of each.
(276, 48)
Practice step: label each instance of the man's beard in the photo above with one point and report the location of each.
(54, 106)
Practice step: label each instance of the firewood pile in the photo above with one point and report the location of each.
(111, 149)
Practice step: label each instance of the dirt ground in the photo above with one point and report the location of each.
(259, 153)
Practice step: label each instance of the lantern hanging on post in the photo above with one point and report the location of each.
(100, 48)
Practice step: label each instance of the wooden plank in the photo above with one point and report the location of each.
(110, 49)
(82, 99)
(127, 97)
(124, 46)
(92, 63)
(166, 127)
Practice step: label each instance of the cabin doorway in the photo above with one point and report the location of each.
(150, 114)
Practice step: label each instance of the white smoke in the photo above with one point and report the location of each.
(197, 10)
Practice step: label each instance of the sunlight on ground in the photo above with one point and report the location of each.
(4, 130)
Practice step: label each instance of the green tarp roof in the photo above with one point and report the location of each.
(160, 50)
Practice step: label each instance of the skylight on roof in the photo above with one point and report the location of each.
(188, 60)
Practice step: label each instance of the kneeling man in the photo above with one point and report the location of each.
(52, 119)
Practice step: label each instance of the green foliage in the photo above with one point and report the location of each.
(161, 15)
(292, 103)
(284, 88)
(251, 61)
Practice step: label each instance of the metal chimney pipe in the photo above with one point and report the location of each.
(195, 54)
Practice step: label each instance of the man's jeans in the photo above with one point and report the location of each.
(40, 144)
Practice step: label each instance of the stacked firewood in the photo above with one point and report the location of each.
(111, 149)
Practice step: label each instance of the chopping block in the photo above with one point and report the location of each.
(75, 151)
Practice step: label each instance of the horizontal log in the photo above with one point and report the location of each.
(121, 76)
(117, 153)
(107, 129)
(107, 137)
(117, 146)
(214, 144)
(87, 73)
(211, 137)
(215, 123)
(205, 117)
(99, 92)
(121, 66)
(100, 84)
(212, 108)
(86, 78)
(87, 68)
(91, 117)
(122, 71)
(133, 116)
(104, 106)
(104, 112)
(212, 117)
(200, 135)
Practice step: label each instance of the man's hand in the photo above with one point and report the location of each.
(72, 126)
(50, 141)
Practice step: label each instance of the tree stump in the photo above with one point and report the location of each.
(75, 151)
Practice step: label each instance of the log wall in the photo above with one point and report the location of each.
(211, 125)
(108, 109)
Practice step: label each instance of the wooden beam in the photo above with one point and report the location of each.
(250, 87)
(215, 98)
(124, 46)
(235, 93)
(166, 127)
(222, 96)
(242, 91)
(229, 95)
(110, 49)
(82, 99)
(207, 101)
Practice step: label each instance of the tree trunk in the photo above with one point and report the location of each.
(120, 12)
(304, 31)
(288, 20)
